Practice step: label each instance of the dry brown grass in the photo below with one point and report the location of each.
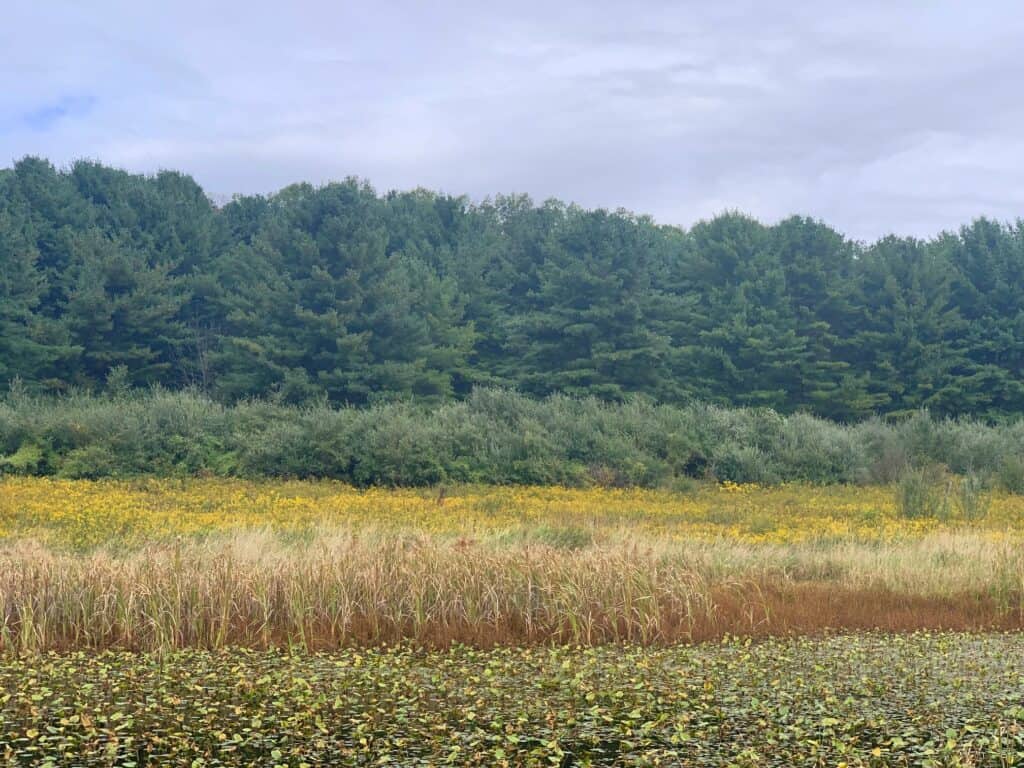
(347, 587)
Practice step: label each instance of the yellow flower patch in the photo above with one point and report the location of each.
(89, 514)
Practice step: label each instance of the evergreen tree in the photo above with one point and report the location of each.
(328, 310)
(908, 330)
(584, 330)
(121, 311)
(339, 292)
(988, 292)
(29, 345)
(743, 345)
(818, 267)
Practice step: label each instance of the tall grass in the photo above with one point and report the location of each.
(357, 588)
(493, 436)
(924, 492)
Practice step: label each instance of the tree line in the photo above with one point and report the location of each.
(110, 280)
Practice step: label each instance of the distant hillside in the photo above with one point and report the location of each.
(114, 280)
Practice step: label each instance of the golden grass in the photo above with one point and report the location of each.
(155, 565)
(343, 588)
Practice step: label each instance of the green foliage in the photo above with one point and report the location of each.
(29, 459)
(496, 436)
(91, 462)
(924, 492)
(337, 292)
(570, 537)
(1010, 473)
(867, 700)
(972, 499)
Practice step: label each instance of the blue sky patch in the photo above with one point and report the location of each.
(44, 117)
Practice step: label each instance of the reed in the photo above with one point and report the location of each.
(343, 587)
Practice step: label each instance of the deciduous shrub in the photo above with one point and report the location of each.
(493, 436)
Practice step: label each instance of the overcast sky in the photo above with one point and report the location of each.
(873, 117)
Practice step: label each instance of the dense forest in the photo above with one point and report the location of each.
(115, 281)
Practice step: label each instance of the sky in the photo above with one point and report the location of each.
(876, 117)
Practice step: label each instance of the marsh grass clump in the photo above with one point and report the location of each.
(924, 492)
(973, 499)
(572, 537)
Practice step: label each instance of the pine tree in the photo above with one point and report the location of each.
(988, 291)
(743, 346)
(818, 266)
(584, 330)
(121, 311)
(28, 344)
(908, 330)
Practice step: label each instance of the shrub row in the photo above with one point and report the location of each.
(494, 436)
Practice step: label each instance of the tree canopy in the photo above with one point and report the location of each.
(339, 293)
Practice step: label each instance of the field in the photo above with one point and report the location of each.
(82, 515)
(229, 622)
(157, 564)
(932, 700)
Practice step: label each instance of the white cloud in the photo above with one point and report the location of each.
(874, 116)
